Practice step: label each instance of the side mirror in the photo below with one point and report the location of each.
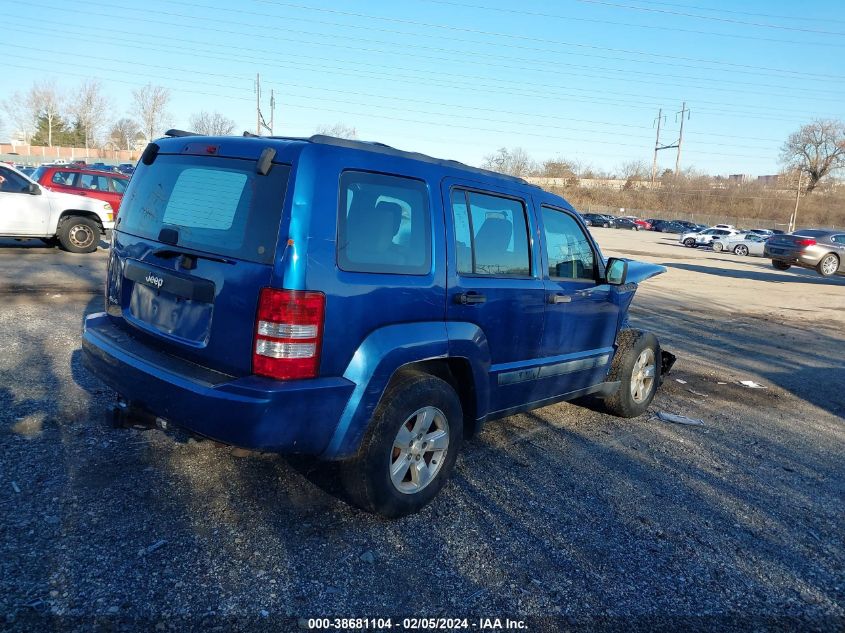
(616, 271)
(34, 189)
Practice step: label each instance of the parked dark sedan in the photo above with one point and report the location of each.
(625, 223)
(819, 249)
(668, 226)
(596, 219)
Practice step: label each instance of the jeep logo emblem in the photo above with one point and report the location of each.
(151, 279)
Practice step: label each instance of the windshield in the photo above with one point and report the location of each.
(217, 205)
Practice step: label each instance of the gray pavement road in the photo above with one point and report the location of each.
(564, 511)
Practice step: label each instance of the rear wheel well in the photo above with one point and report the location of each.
(73, 213)
(458, 373)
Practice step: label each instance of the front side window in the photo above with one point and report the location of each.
(491, 234)
(384, 224)
(118, 185)
(10, 182)
(569, 251)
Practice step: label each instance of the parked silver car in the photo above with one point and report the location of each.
(741, 244)
(822, 250)
(705, 237)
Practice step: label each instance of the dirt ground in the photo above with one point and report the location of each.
(563, 516)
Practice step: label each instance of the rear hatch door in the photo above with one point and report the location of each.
(194, 244)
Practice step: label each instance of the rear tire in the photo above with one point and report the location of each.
(409, 450)
(779, 265)
(690, 242)
(79, 234)
(636, 365)
(717, 246)
(828, 265)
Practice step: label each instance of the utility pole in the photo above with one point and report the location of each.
(656, 146)
(793, 221)
(260, 121)
(681, 137)
(258, 104)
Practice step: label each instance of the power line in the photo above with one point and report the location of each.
(439, 124)
(800, 75)
(706, 17)
(478, 86)
(755, 15)
(519, 85)
(346, 93)
(524, 37)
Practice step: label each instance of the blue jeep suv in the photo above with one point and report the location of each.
(358, 303)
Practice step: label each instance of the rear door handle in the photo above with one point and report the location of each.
(466, 298)
(559, 298)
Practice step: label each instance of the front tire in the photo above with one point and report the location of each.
(410, 448)
(717, 246)
(636, 365)
(741, 250)
(79, 234)
(689, 242)
(828, 265)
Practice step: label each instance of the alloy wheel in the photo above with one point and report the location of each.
(642, 376)
(419, 450)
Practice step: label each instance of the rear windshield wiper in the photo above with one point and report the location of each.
(189, 259)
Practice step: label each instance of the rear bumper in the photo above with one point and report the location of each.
(252, 412)
(792, 256)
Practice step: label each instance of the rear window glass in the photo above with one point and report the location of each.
(217, 205)
(384, 224)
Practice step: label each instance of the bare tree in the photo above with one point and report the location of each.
(515, 162)
(20, 115)
(89, 106)
(632, 171)
(46, 101)
(817, 149)
(150, 106)
(124, 132)
(211, 124)
(338, 130)
(558, 168)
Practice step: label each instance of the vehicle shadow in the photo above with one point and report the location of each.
(785, 276)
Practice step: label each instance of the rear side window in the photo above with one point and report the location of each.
(118, 185)
(491, 234)
(92, 182)
(569, 252)
(216, 205)
(384, 224)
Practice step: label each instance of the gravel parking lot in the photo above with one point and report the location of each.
(560, 512)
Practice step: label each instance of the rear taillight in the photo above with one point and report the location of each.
(805, 242)
(288, 334)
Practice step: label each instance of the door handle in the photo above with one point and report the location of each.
(466, 298)
(558, 298)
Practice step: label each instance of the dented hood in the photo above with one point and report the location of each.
(640, 271)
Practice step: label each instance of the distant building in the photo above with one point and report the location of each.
(739, 179)
(769, 181)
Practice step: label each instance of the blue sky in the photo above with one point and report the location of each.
(578, 79)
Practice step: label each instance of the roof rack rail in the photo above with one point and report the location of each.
(381, 148)
(178, 133)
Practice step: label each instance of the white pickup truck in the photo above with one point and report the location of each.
(29, 210)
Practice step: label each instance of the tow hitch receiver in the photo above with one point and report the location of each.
(124, 415)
